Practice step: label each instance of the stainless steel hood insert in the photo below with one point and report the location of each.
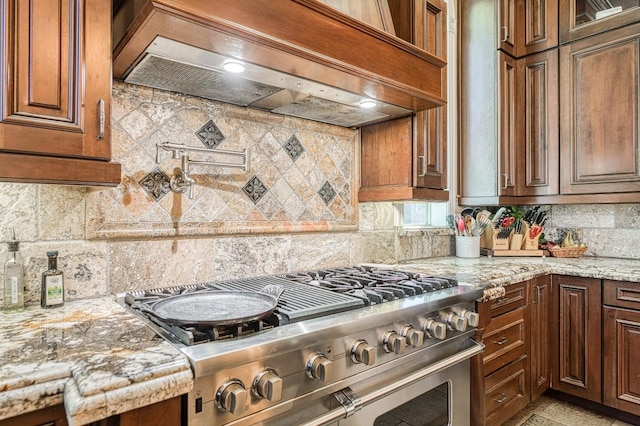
(174, 66)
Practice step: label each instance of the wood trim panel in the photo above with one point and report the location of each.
(38, 169)
(577, 340)
(600, 94)
(391, 193)
(621, 367)
(276, 34)
(389, 144)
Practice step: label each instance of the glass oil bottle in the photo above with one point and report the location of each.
(13, 278)
(52, 294)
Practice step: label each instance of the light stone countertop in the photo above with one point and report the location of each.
(100, 360)
(90, 354)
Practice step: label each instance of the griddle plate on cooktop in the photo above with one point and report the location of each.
(298, 301)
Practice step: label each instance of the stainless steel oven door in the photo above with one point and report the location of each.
(444, 384)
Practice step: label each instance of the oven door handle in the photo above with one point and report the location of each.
(343, 413)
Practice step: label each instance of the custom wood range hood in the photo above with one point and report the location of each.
(302, 58)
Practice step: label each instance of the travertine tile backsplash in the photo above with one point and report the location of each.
(111, 240)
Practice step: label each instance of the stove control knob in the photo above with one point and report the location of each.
(414, 337)
(435, 329)
(232, 396)
(268, 385)
(393, 342)
(362, 352)
(455, 322)
(319, 367)
(472, 317)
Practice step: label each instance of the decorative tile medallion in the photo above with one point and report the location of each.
(156, 184)
(294, 148)
(327, 193)
(254, 189)
(210, 135)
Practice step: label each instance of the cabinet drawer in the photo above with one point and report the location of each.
(506, 392)
(505, 340)
(515, 297)
(622, 294)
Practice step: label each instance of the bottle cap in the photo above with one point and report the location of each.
(52, 253)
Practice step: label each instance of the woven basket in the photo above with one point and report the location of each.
(567, 251)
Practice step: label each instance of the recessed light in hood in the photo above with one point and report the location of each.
(174, 66)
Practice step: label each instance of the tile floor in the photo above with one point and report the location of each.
(546, 411)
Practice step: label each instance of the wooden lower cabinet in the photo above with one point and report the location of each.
(576, 337)
(539, 353)
(50, 416)
(621, 366)
(505, 362)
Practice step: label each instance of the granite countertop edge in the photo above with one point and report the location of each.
(100, 360)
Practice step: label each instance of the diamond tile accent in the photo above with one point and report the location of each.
(327, 193)
(156, 184)
(255, 189)
(210, 135)
(294, 148)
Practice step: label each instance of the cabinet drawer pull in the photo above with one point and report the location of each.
(501, 341)
(101, 119)
(503, 299)
(424, 166)
(503, 398)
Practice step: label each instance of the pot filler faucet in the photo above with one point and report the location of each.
(182, 180)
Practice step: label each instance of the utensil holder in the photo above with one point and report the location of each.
(467, 247)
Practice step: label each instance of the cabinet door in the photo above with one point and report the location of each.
(57, 80)
(576, 336)
(600, 149)
(509, 127)
(430, 127)
(509, 22)
(539, 162)
(539, 353)
(582, 18)
(50, 416)
(622, 359)
(540, 26)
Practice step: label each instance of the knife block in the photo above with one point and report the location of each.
(527, 242)
(490, 240)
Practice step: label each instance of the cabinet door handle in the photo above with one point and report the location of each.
(505, 33)
(101, 119)
(505, 180)
(537, 294)
(503, 398)
(424, 166)
(501, 341)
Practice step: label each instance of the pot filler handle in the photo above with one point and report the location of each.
(351, 403)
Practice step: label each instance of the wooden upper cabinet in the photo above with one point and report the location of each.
(509, 125)
(55, 95)
(599, 106)
(539, 151)
(582, 18)
(407, 159)
(527, 26)
(389, 166)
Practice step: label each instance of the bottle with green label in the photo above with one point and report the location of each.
(52, 295)
(13, 278)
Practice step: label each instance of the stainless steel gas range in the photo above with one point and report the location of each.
(341, 346)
